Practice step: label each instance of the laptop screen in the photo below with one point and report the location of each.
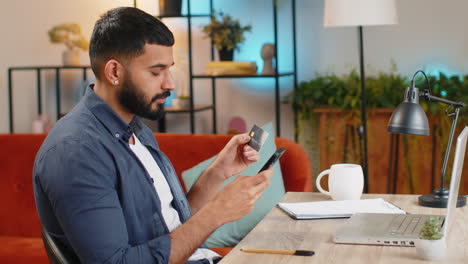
(455, 179)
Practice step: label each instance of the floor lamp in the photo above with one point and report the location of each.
(360, 13)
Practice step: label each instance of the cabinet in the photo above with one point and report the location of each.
(193, 109)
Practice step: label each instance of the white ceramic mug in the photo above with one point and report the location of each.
(345, 181)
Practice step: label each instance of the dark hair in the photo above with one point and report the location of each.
(122, 33)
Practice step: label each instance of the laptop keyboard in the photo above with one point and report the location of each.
(404, 225)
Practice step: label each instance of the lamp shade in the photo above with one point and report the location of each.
(359, 13)
(409, 117)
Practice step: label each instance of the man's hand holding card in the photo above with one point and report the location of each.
(235, 157)
(241, 151)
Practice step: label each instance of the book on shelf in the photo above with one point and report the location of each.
(231, 68)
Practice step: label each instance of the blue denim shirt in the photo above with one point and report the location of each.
(94, 195)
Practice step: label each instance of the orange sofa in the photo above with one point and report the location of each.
(20, 229)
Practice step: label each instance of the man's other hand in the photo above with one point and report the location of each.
(238, 198)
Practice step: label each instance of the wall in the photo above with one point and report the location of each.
(429, 36)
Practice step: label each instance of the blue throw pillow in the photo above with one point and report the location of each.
(231, 233)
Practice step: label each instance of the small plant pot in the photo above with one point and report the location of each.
(170, 7)
(181, 103)
(225, 54)
(431, 249)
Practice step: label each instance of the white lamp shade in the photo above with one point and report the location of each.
(359, 13)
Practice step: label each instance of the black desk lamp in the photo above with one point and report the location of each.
(410, 118)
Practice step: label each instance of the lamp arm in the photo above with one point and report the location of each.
(457, 105)
(449, 145)
(429, 97)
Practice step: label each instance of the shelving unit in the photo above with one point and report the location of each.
(195, 108)
(39, 70)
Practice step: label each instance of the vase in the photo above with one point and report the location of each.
(431, 249)
(181, 103)
(170, 7)
(71, 57)
(225, 54)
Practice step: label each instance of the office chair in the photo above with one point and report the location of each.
(57, 252)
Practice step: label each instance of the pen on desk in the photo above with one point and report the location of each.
(277, 251)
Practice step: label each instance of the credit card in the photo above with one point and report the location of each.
(258, 136)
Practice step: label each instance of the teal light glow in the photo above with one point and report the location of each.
(265, 85)
(260, 17)
(435, 69)
(443, 93)
(168, 101)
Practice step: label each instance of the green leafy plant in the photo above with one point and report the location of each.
(70, 34)
(344, 92)
(226, 32)
(453, 87)
(431, 230)
(383, 90)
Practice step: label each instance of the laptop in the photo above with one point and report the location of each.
(398, 229)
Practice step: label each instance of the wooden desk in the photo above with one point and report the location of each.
(278, 231)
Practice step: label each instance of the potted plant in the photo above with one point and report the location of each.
(328, 116)
(71, 35)
(226, 34)
(170, 7)
(431, 244)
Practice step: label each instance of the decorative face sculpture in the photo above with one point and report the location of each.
(268, 51)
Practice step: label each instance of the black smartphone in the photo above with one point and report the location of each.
(274, 158)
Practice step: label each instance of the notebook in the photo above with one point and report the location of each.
(338, 209)
(402, 230)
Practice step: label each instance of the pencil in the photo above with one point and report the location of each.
(278, 251)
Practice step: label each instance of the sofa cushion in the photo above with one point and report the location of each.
(22, 250)
(231, 233)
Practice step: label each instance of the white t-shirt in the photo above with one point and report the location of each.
(170, 215)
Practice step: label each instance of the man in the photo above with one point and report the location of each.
(102, 186)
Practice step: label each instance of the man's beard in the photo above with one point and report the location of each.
(134, 101)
